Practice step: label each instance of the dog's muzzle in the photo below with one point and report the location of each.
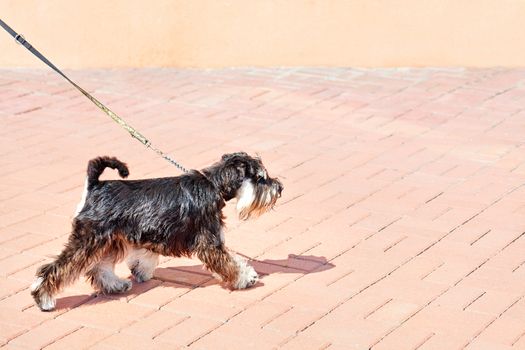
(278, 187)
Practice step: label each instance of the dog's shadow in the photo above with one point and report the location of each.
(298, 264)
(195, 276)
(305, 264)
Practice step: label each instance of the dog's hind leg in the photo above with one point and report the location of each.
(142, 263)
(102, 277)
(231, 269)
(102, 274)
(81, 251)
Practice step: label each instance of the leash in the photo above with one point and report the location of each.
(133, 132)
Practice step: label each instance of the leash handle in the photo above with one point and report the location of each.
(132, 131)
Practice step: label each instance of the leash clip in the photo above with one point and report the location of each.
(20, 39)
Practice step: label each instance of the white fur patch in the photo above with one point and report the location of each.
(262, 173)
(108, 282)
(247, 275)
(47, 302)
(80, 205)
(143, 262)
(36, 283)
(245, 195)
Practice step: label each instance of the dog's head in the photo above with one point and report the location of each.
(241, 176)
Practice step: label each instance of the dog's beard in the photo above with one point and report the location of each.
(254, 200)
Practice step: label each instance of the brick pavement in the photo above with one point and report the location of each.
(401, 224)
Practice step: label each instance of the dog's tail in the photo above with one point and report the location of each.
(96, 167)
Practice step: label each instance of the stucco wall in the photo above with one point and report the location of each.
(215, 33)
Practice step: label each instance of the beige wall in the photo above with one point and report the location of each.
(215, 33)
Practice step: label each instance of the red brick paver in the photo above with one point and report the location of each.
(401, 226)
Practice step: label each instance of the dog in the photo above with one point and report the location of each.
(138, 220)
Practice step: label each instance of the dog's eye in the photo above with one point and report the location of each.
(261, 180)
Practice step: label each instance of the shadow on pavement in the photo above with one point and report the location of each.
(195, 275)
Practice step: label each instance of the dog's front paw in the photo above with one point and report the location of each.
(253, 277)
(247, 277)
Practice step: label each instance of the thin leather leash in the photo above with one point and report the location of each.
(133, 132)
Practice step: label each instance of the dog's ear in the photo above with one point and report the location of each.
(230, 156)
(241, 162)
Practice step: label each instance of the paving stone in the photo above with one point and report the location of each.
(400, 226)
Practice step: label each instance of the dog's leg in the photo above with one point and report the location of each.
(142, 263)
(102, 277)
(247, 275)
(231, 269)
(82, 250)
(53, 277)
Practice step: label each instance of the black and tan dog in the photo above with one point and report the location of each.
(140, 219)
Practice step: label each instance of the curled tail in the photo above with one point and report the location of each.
(96, 167)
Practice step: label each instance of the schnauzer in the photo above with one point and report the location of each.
(172, 216)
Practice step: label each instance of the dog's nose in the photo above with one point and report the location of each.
(280, 188)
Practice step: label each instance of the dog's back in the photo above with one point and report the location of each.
(154, 210)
